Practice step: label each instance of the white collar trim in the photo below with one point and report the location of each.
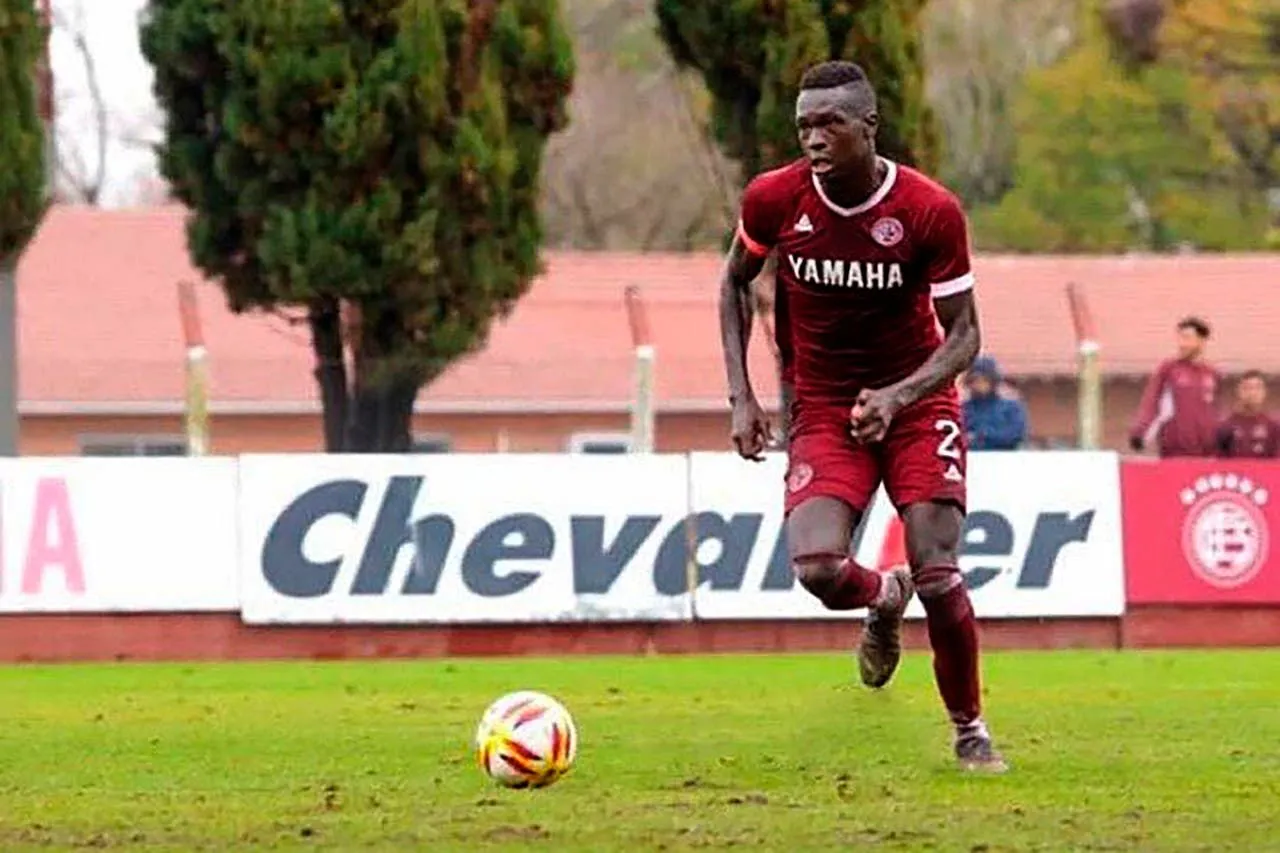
(891, 176)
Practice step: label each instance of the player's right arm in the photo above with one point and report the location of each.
(740, 270)
(755, 235)
(750, 431)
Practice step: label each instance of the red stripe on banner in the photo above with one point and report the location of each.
(893, 549)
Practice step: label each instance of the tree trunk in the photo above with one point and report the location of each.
(362, 426)
(382, 415)
(382, 411)
(398, 424)
(325, 318)
(8, 359)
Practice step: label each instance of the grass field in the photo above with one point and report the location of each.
(1111, 751)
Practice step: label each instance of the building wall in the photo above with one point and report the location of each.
(1051, 405)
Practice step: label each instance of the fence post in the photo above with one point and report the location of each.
(643, 402)
(196, 410)
(1088, 370)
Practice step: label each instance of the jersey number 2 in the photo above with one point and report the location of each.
(950, 435)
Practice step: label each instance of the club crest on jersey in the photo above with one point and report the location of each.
(833, 272)
(800, 475)
(887, 231)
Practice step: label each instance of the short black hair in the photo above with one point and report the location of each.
(1195, 324)
(1253, 374)
(830, 75)
(839, 74)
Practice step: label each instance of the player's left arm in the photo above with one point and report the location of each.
(950, 274)
(958, 316)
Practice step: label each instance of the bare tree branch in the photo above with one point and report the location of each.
(86, 181)
(636, 167)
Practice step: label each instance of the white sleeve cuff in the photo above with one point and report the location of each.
(942, 289)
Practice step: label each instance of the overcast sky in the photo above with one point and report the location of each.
(110, 28)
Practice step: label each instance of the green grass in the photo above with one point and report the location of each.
(1111, 751)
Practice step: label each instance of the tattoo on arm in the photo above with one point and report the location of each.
(958, 315)
(740, 270)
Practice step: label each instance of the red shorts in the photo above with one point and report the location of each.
(921, 458)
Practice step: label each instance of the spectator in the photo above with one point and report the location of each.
(1178, 403)
(995, 418)
(1249, 432)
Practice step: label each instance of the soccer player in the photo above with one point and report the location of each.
(874, 260)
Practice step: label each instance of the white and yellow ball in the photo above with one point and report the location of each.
(526, 739)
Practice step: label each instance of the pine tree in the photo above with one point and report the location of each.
(752, 54)
(375, 163)
(22, 167)
(22, 183)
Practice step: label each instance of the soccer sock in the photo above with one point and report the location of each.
(851, 586)
(953, 634)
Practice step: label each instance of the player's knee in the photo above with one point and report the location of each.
(929, 554)
(933, 533)
(817, 573)
(937, 580)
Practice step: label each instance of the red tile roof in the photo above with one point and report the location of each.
(99, 327)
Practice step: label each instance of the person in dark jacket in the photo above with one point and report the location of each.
(994, 418)
(1249, 432)
(1180, 401)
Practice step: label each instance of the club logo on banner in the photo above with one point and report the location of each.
(1225, 536)
(1199, 531)
(1042, 537)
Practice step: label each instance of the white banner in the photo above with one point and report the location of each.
(81, 535)
(1042, 538)
(462, 538)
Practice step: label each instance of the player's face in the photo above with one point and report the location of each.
(1252, 392)
(1190, 344)
(833, 135)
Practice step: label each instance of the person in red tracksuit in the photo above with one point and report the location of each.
(1179, 403)
(1249, 432)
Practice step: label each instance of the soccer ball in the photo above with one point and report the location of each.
(526, 740)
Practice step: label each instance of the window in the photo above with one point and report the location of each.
(600, 442)
(132, 445)
(431, 443)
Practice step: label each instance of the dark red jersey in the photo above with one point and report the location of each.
(859, 283)
(1179, 404)
(1249, 436)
